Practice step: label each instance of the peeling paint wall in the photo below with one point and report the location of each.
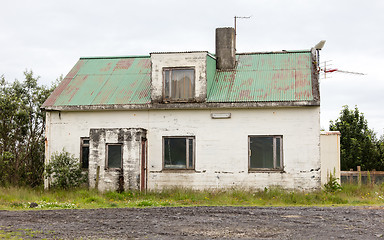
(221, 144)
(173, 60)
(108, 179)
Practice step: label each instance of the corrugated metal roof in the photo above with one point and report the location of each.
(100, 81)
(258, 77)
(261, 77)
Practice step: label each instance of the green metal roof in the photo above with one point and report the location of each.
(265, 77)
(100, 81)
(258, 77)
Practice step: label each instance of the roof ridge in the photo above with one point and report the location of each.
(115, 57)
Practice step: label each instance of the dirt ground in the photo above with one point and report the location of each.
(199, 223)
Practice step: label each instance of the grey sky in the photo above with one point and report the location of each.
(49, 37)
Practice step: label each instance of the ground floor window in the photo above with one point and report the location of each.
(84, 152)
(178, 152)
(114, 155)
(265, 152)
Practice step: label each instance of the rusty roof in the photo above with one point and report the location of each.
(104, 81)
(265, 77)
(258, 77)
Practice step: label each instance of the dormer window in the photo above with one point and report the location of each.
(179, 84)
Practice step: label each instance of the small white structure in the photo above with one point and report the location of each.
(330, 155)
(191, 119)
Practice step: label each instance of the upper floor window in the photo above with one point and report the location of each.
(265, 152)
(179, 84)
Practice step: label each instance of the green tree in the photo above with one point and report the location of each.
(22, 125)
(358, 143)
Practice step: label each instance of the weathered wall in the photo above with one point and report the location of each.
(108, 179)
(225, 48)
(221, 144)
(189, 59)
(330, 155)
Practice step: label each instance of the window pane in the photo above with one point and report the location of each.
(175, 153)
(179, 84)
(85, 141)
(84, 157)
(114, 156)
(261, 152)
(190, 157)
(278, 157)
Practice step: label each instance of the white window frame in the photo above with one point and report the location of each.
(170, 99)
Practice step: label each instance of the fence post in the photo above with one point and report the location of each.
(373, 175)
(359, 177)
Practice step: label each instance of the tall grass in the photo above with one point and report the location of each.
(15, 198)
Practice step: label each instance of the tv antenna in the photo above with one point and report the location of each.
(326, 70)
(236, 17)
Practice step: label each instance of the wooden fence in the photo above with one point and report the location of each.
(362, 177)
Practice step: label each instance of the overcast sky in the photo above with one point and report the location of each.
(48, 37)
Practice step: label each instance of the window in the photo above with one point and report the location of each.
(179, 152)
(265, 152)
(179, 84)
(84, 152)
(114, 155)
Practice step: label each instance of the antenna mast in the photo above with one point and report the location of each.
(236, 17)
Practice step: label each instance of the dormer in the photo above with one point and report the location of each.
(179, 77)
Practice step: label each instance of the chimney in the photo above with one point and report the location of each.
(225, 48)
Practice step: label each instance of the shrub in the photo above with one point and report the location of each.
(64, 171)
(332, 185)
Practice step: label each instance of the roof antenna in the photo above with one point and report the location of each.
(236, 17)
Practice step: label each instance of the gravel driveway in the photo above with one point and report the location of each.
(199, 223)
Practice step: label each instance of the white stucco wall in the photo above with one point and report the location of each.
(221, 144)
(330, 155)
(197, 60)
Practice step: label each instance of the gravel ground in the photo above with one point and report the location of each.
(199, 223)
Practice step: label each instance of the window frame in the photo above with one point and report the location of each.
(187, 138)
(106, 155)
(82, 145)
(170, 99)
(275, 168)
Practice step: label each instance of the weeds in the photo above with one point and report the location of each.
(20, 198)
(332, 185)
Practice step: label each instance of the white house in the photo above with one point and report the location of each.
(191, 119)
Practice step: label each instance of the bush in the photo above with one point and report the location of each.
(332, 185)
(64, 171)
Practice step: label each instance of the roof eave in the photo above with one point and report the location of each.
(182, 106)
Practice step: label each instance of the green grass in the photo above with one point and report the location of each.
(6, 233)
(16, 198)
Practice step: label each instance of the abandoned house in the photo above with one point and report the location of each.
(192, 119)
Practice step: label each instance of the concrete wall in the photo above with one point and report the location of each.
(330, 155)
(198, 60)
(108, 179)
(221, 144)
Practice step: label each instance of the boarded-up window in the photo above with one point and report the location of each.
(265, 152)
(179, 84)
(84, 152)
(178, 152)
(114, 155)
